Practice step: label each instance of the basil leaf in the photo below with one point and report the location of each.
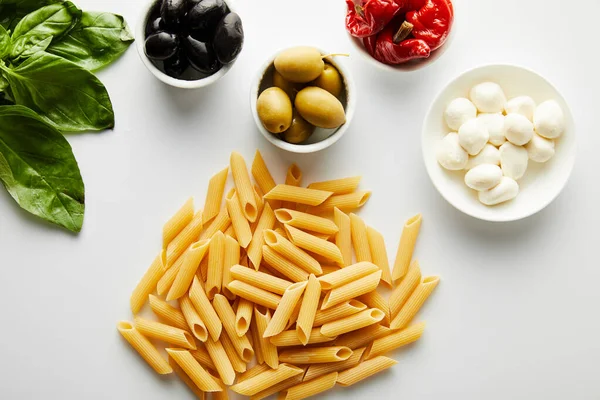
(97, 40)
(38, 168)
(4, 42)
(12, 11)
(64, 94)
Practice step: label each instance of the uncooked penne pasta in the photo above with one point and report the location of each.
(395, 340)
(410, 232)
(307, 222)
(252, 372)
(148, 283)
(227, 316)
(293, 177)
(315, 355)
(290, 338)
(205, 309)
(375, 300)
(238, 219)
(177, 222)
(343, 239)
(360, 242)
(352, 322)
(291, 252)
(144, 348)
(315, 245)
(243, 316)
(317, 370)
(230, 232)
(403, 291)
(351, 290)
(347, 275)
(254, 294)
(166, 333)
(243, 186)
(253, 332)
(364, 370)
(266, 379)
(288, 383)
(284, 266)
(260, 204)
(414, 302)
(237, 363)
(188, 269)
(224, 394)
(362, 337)
(165, 283)
(187, 380)
(202, 356)
(194, 370)
(310, 388)
(345, 202)
(281, 231)
(337, 186)
(260, 279)
(294, 194)
(171, 315)
(262, 317)
(265, 222)
(220, 223)
(231, 257)
(184, 239)
(342, 310)
(202, 272)
(194, 322)
(214, 195)
(261, 173)
(219, 357)
(283, 313)
(308, 309)
(216, 256)
(294, 316)
(379, 255)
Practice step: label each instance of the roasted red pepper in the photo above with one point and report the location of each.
(392, 47)
(369, 17)
(431, 20)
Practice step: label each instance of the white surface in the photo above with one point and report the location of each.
(516, 314)
(541, 183)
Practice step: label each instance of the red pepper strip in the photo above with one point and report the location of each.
(370, 17)
(385, 50)
(432, 22)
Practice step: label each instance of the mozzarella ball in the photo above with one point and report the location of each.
(495, 126)
(458, 112)
(488, 97)
(540, 149)
(518, 129)
(449, 153)
(489, 155)
(513, 160)
(483, 177)
(506, 190)
(473, 136)
(523, 105)
(549, 120)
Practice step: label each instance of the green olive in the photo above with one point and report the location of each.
(291, 89)
(330, 80)
(299, 131)
(300, 64)
(274, 109)
(320, 108)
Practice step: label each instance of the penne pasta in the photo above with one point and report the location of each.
(261, 173)
(269, 351)
(220, 223)
(237, 363)
(256, 341)
(166, 281)
(343, 239)
(284, 266)
(342, 310)
(260, 279)
(379, 255)
(294, 316)
(375, 300)
(353, 322)
(337, 186)
(177, 222)
(186, 379)
(308, 309)
(171, 315)
(285, 309)
(202, 273)
(315, 245)
(266, 221)
(254, 294)
(166, 333)
(239, 222)
(414, 302)
(188, 269)
(260, 205)
(293, 177)
(395, 340)
(351, 290)
(410, 232)
(278, 387)
(216, 256)
(144, 348)
(243, 316)
(224, 394)
(240, 343)
(195, 324)
(294, 194)
(265, 380)
(362, 337)
(290, 338)
(291, 252)
(230, 232)
(194, 370)
(219, 357)
(315, 355)
(184, 239)
(347, 275)
(360, 242)
(310, 388)
(281, 231)
(317, 370)
(243, 186)
(205, 310)
(214, 195)
(202, 356)
(252, 372)
(307, 222)
(231, 257)
(364, 370)
(403, 291)
(345, 202)
(148, 283)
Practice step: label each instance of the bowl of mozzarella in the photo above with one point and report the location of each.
(499, 142)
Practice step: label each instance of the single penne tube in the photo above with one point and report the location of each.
(375, 300)
(364, 370)
(283, 312)
(256, 341)
(343, 238)
(252, 372)
(148, 283)
(379, 255)
(188, 269)
(205, 309)
(284, 266)
(362, 337)
(293, 177)
(164, 284)
(194, 322)
(184, 239)
(194, 370)
(406, 247)
(187, 380)
(240, 343)
(308, 309)
(144, 348)
(307, 222)
(220, 223)
(310, 388)
(347, 275)
(261, 173)
(360, 242)
(315, 355)
(202, 356)
(237, 363)
(254, 294)
(177, 222)
(296, 255)
(315, 245)
(337, 186)
(166, 312)
(316, 370)
(216, 256)
(405, 288)
(214, 195)
(342, 310)
(202, 272)
(260, 279)
(166, 333)
(238, 219)
(394, 340)
(265, 380)
(243, 316)
(345, 202)
(262, 317)
(278, 387)
(243, 186)
(290, 338)
(414, 302)
(222, 363)
(351, 290)
(295, 194)
(265, 222)
(231, 257)
(353, 322)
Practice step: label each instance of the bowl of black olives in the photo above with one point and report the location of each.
(189, 43)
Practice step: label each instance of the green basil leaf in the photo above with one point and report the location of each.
(38, 168)
(12, 11)
(4, 42)
(97, 40)
(64, 94)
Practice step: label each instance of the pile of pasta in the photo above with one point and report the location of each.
(276, 290)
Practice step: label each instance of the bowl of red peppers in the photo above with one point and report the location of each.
(400, 34)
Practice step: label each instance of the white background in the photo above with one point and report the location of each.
(516, 314)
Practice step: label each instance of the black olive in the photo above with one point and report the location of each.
(176, 65)
(203, 18)
(173, 12)
(201, 55)
(161, 45)
(229, 38)
(154, 25)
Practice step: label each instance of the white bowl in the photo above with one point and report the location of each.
(321, 138)
(178, 83)
(542, 182)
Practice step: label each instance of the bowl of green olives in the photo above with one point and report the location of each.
(189, 43)
(303, 99)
